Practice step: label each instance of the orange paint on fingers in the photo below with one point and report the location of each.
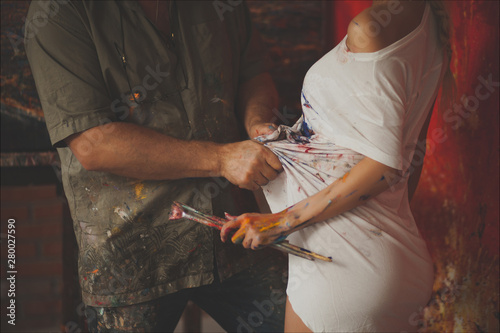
(240, 233)
(238, 236)
(260, 222)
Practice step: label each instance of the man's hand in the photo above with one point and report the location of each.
(262, 129)
(248, 164)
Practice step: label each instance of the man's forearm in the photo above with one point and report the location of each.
(133, 151)
(257, 99)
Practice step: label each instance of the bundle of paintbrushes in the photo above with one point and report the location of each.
(179, 211)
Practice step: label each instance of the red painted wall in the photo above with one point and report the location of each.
(456, 203)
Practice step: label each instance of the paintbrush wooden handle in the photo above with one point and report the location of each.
(306, 252)
(282, 248)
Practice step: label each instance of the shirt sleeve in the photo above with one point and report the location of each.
(376, 129)
(368, 108)
(66, 71)
(254, 59)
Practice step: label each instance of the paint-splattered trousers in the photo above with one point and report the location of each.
(250, 301)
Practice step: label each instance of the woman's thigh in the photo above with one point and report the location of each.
(293, 323)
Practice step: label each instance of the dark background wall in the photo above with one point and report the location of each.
(22, 127)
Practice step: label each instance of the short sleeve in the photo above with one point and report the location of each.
(254, 59)
(66, 71)
(363, 108)
(376, 129)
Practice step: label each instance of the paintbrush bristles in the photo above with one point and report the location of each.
(176, 212)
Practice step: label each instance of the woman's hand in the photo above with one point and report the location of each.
(256, 230)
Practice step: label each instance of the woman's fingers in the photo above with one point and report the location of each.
(252, 230)
(240, 227)
(240, 234)
(228, 228)
(251, 241)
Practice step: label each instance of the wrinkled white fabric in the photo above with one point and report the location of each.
(357, 105)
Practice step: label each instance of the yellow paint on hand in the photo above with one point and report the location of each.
(240, 233)
(270, 226)
(263, 225)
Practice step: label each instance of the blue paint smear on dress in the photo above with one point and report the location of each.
(307, 104)
(308, 132)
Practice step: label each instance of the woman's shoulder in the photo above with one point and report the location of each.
(383, 24)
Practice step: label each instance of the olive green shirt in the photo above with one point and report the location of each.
(100, 62)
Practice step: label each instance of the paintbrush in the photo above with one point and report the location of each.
(180, 210)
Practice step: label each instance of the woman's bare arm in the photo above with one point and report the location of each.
(365, 180)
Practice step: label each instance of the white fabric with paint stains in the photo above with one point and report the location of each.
(371, 104)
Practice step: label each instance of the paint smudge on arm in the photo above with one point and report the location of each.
(327, 205)
(364, 197)
(345, 177)
(347, 196)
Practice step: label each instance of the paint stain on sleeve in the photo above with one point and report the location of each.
(122, 214)
(138, 191)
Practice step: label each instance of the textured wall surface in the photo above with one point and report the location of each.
(23, 127)
(37, 211)
(293, 33)
(457, 200)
